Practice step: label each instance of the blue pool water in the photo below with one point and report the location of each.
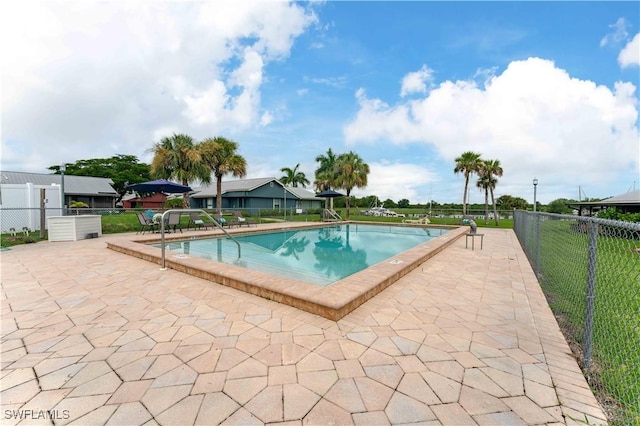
(319, 256)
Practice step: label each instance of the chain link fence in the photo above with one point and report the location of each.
(589, 270)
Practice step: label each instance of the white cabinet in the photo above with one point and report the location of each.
(74, 228)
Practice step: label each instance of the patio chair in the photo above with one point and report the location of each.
(146, 223)
(239, 220)
(222, 221)
(197, 222)
(173, 221)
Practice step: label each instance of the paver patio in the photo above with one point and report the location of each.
(99, 337)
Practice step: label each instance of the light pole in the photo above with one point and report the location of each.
(535, 186)
(63, 167)
(285, 201)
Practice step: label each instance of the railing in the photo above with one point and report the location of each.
(162, 223)
(589, 270)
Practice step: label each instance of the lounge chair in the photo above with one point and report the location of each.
(222, 221)
(173, 221)
(146, 223)
(421, 221)
(240, 220)
(197, 222)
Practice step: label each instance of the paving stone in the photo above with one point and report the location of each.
(181, 375)
(282, 374)
(267, 405)
(242, 390)
(215, 408)
(403, 409)
(527, 410)
(130, 392)
(370, 418)
(182, 413)
(389, 375)
(131, 413)
(446, 389)
(452, 414)
(298, 401)
(375, 395)
(156, 400)
(478, 402)
(506, 418)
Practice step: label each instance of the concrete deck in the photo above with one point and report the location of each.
(99, 337)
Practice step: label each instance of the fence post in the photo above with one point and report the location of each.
(591, 294)
(537, 267)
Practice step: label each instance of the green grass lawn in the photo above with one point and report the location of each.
(615, 369)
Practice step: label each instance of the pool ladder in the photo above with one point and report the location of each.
(189, 211)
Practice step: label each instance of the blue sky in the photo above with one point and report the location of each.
(548, 88)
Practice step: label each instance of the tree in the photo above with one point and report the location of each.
(221, 157)
(404, 203)
(469, 162)
(121, 169)
(507, 202)
(491, 169)
(559, 206)
(325, 173)
(483, 183)
(293, 177)
(389, 203)
(177, 157)
(350, 172)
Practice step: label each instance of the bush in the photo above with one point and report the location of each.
(174, 203)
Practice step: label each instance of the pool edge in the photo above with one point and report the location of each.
(332, 302)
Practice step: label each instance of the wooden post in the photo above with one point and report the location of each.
(42, 213)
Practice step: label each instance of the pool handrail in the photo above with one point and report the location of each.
(189, 211)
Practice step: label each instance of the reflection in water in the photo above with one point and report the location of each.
(335, 259)
(293, 246)
(318, 255)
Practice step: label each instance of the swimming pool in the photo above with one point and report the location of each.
(319, 256)
(330, 301)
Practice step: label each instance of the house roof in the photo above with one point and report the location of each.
(73, 185)
(247, 185)
(630, 198)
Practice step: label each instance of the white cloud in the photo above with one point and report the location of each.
(397, 180)
(630, 54)
(618, 34)
(416, 82)
(534, 117)
(93, 75)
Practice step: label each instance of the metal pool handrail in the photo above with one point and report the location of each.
(189, 211)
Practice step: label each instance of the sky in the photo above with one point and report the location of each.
(550, 89)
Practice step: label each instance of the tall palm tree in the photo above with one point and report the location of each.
(350, 172)
(483, 184)
(221, 156)
(178, 157)
(469, 162)
(293, 177)
(491, 169)
(325, 173)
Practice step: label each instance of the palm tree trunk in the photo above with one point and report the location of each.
(348, 203)
(486, 206)
(219, 194)
(495, 208)
(464, 196)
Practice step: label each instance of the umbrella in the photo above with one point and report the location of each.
(329, 193)
(160, 185)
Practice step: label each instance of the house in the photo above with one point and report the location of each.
(256, 194)
(153, 201)
(94, 191)
(627, 203)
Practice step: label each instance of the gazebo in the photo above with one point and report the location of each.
(626, 203)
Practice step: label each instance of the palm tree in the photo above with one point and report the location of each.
(293, 177)
(325, 173)
(491, 169)
(178, 157)
(483, 184)
(221, 157)
(350, 172)
(469, 162)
